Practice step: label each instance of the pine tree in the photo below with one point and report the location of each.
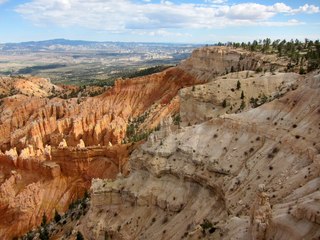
(238, 85)
(57, 216)
(44, 234)
(44, 220)
(242, 95)
(243, 105)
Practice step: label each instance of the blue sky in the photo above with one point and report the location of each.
(188, 21)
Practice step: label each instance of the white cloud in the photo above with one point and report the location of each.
(216, 1)
(310, 9)
(3, 1)
(161, 33)
(248, 11)
(281, 8)
(126, 15)
(291, 22)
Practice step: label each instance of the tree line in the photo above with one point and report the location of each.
(304, 54)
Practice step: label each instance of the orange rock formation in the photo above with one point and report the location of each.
(52, 148)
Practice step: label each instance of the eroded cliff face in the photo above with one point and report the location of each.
(235, 173)
(233, 93)
(253, 174)
(52, 148)
(97, 120)
(36, 183)
(209, 62)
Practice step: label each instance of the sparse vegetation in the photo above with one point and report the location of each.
(146, 71)
(207, 227)
(176, 119)
(47, 229)
(134, 133)
(302, 55)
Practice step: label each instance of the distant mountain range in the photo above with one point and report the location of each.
(69, 45)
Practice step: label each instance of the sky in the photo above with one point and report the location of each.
(181, 21)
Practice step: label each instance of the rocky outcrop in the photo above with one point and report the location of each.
(261, 214)
(209, 62)
(248, 175)
(233, 93)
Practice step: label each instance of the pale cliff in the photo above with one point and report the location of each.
(253, 174)
(209, 62)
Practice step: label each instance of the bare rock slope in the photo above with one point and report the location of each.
(253, 174)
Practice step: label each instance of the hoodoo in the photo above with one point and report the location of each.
(222, 146)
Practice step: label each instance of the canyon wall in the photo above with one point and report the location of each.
(51, 148)
(249, 174)
(228, 172)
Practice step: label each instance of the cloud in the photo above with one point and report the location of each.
(310, 9)
(161, 33)
(216, 1)
(126, 15)
(3, 1)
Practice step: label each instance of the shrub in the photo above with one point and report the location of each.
(224, 103)
(302, 71)
(207, 225)
(79, 236)
(258, 70)
(243, 105)
(176, 119)
(165, 220)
